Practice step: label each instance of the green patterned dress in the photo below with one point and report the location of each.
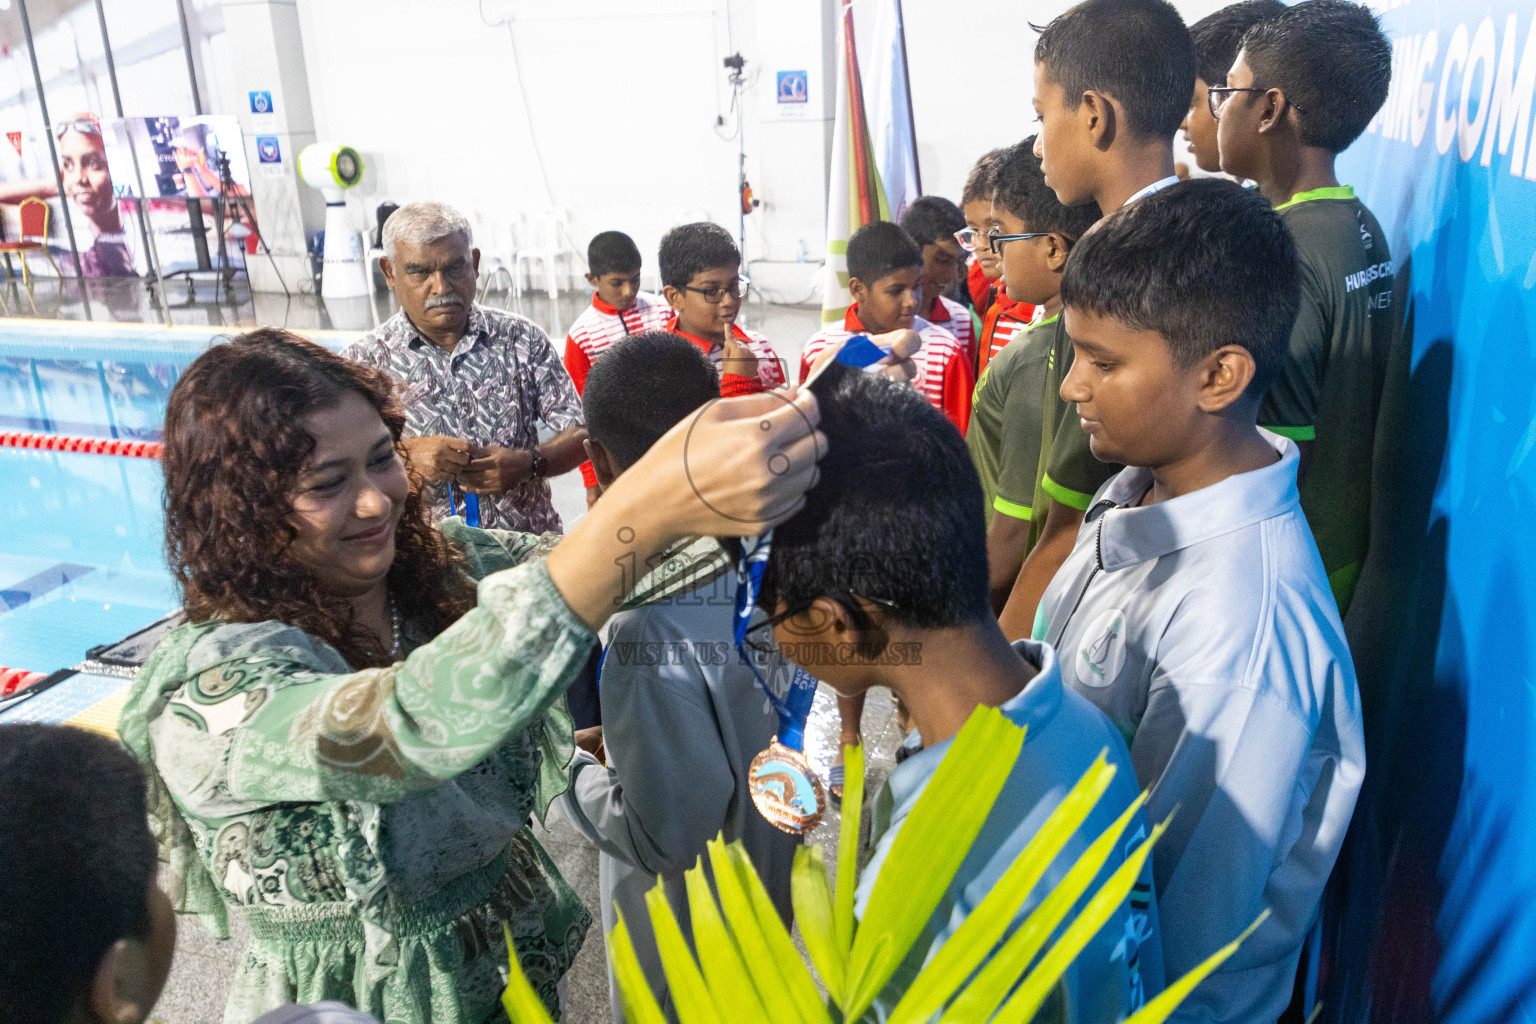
(372, 827)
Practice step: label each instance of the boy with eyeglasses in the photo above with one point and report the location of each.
(1113, 80)
(880, 580)
(701, 280)
(1216, 38)
(1304, 86)
(999, 316)
(1015, 412)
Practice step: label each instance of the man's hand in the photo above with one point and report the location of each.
(591, 740)
(492, 470)
(737, 358)
(436, 459)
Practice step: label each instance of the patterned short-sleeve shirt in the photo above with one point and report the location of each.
(500, 380)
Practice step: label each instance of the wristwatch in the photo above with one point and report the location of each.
(537, 463)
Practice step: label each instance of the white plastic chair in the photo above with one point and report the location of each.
(498, 247)
(542, 242)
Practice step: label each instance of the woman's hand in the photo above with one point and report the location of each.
(736, 467)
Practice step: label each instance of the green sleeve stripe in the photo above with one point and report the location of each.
(1066, 495)
(1294, 433)
(1009, 508)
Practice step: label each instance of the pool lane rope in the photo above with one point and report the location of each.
(14, 680)
(83, 445)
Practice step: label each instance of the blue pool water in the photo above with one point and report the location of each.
(81, 536)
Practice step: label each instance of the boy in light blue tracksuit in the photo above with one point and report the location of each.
(1194, 610)
(683, 716)
(881, 580)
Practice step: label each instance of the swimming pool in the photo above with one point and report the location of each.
(81, 535)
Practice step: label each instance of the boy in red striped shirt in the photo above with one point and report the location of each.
(884, 268)
(933, 223)
(619, 308)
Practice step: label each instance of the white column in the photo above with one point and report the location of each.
(267, 55)
(788, 142)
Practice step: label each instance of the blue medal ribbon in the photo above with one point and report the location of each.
(794, 708)
(862, 353)
(471, 506)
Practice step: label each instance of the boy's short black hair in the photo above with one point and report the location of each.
(612, 252)
(880, 248)
(77, 860)
(896, 514)
(1022, 191)
(1332, 60)
(694, 248)
(1204, 263)
(1217, 36)
(1137, 51)
(932, 219)
(643, 386)
(978, 184)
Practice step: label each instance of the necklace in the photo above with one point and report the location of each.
(394, 629)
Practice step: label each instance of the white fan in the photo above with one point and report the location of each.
(332, 168)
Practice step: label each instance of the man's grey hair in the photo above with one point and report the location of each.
(424, 223)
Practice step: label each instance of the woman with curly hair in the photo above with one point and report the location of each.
(347, 738)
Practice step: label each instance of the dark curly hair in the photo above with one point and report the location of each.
(235, 445)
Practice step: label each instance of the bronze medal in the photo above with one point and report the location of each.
(786, 789)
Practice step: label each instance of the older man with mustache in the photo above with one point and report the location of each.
(474, 381)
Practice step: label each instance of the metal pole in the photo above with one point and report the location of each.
(186, 49)
(133, 154)
(53, 152)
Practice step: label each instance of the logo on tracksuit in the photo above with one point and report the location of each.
(1102, 653)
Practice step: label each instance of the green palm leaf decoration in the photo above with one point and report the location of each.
(744, 967)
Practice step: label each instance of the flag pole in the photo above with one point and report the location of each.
(906, 79)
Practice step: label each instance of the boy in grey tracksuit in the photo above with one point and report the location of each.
(1194, 610)
(683, 717)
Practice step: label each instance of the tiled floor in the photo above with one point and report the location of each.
(203, 968)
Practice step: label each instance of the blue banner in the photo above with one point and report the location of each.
(1437, 884)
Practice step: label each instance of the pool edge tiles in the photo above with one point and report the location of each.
(97, 339)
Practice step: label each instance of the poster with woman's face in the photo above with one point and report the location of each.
(96, 171)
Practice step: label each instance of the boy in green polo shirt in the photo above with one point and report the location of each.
(1303, 87)
(1013, 400)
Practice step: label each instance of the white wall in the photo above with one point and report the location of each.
(622, 102)
(973, 78)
